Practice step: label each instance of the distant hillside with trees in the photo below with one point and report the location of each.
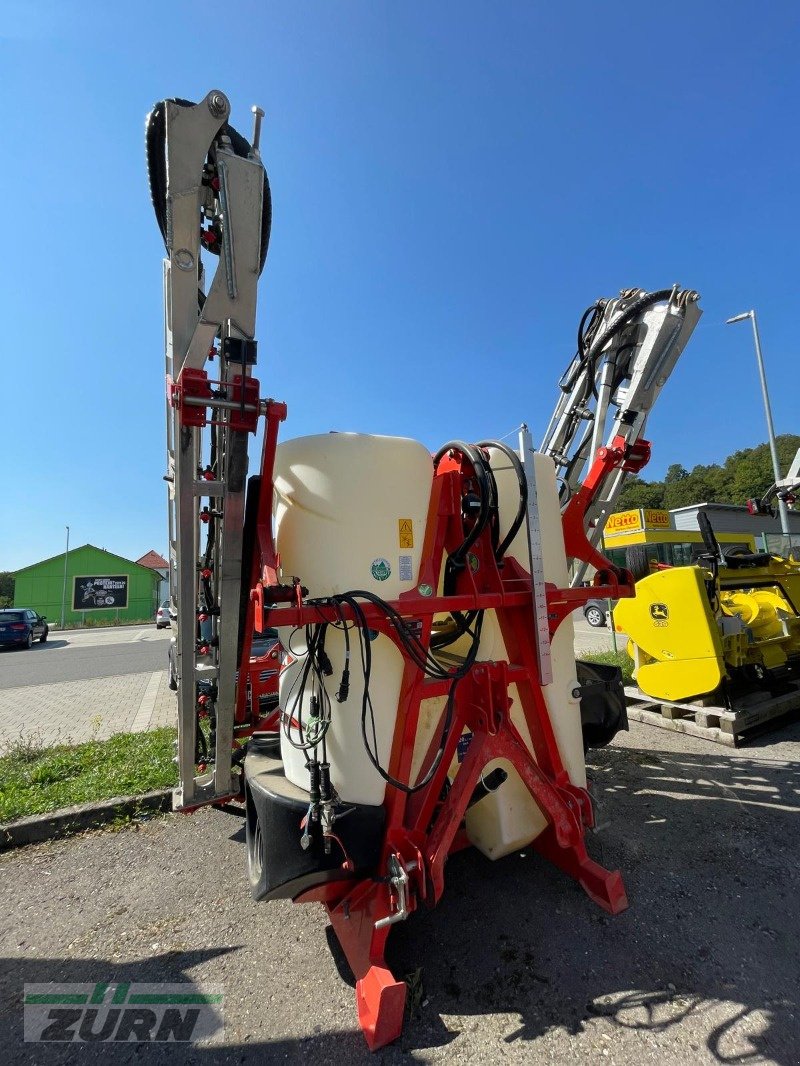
(744, 475)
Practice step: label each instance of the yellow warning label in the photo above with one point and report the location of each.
(405, 529)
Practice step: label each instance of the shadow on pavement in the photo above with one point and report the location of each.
(171, 967)
(707, 847)
(37, 646)
(706, 957)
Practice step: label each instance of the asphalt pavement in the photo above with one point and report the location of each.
(85, 685)
(590, 639)
(517, 964)
(89, 684)
(77, 655)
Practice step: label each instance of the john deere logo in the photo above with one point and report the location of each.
(659, 612)
(380, 569)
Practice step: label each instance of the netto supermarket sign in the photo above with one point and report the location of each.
(637, 521)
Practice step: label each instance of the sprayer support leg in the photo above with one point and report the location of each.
(604, 887)
(380, 998)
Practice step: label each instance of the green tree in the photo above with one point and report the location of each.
(675, 472)
(694, 488)
(744, 475)
(6, 588)
(638, 493)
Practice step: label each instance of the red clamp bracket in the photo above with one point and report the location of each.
(244, 391)
(191, 383)
(637, 454)
(191, 395)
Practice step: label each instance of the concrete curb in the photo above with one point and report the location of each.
(83, 816)
(102, 629)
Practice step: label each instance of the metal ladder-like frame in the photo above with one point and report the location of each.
(199, 498)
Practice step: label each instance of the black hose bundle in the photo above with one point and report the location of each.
(155, 146)
(516, 464)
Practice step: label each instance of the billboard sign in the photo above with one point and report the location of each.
(94, 593)
(624, 522)
(637, 521)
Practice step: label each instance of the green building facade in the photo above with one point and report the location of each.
(99, 586)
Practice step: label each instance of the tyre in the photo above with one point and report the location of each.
(254, 841)
(734, 550)
(637, 562)
(43, 637)
(594, 616)
(29, 641)
(172, 677)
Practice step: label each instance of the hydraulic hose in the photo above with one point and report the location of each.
(479, 466)
(516, 463)
(597, 345)
(155, 146)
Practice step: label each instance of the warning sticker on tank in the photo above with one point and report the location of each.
(406, 569)
(405, 532)
(380, 569)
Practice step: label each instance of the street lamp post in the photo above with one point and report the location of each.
(776, 468)
(64, 588)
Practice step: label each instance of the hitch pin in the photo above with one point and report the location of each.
(399, 882)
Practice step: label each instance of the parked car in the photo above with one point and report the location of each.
(596, 612)
(165, 615)
(265, 661)
(21, 626)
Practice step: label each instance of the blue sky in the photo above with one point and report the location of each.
(453, 183)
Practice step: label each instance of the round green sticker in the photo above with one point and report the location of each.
(380, 569)
(474, 562)
(425, 590)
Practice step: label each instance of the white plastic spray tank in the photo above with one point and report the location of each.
(350, 513)
(509, 818)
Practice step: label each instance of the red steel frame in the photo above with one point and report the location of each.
(422, 829)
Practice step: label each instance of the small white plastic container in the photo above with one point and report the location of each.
(509, 818)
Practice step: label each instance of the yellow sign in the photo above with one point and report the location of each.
(624, 522)
(405, 529)
(656, 519)
(635, 521)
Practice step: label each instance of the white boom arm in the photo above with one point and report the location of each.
(627, 348)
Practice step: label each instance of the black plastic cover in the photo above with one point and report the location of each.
(603, 707)
(279, 867)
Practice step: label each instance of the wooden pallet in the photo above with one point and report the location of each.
(703, 718)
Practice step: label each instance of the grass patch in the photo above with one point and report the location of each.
(613, 658)
(35, 779)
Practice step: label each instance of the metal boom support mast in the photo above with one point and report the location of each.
(201, 169)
